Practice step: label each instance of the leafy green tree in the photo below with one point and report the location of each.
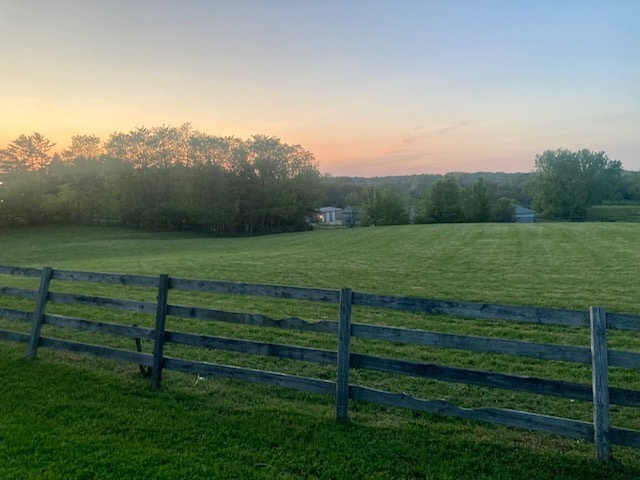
(84, 147)
(9, 163)
(207, 149)
(276, 186)
(442, 203)
(355, 198)
(27, 152)
(478, 202)
(505, 210)
(204, 197)
(160, 147)
(565, 184)
(133, 147)
(372, 207)
(382, 207)
(169, 146)
(336, 190)
(24, 199)
(163, 178)
(394, 211)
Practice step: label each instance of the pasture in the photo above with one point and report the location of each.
(226, 429)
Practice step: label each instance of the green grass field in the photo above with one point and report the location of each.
(66, 416)
(560, 265)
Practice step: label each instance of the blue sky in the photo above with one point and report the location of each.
(370, 87)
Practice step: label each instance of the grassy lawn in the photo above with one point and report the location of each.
(69, 418)
(560, 265)
(66, 416)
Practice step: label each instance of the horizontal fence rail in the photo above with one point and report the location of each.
(598, 357)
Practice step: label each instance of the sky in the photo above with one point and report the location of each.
(370, 87)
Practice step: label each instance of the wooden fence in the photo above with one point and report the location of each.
(598, 357)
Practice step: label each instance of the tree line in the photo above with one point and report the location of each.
(177, 178)
(446, 199)
(563, 186)
(162, 178)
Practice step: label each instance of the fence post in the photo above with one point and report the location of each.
(344, 355)
(600, 382)
(38, 313)
(161, 318)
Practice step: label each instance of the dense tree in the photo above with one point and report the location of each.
(442, 202)
(412, 188)
(383, 207)
(505, 210)
(8, 163)
(372, 207)
(206, 199)
(85, 147)
(27, 152)
(24, 199)
(336, 190)
(164, 178)
(356, 198)
(566, 183)
(629, 188)
(478, 204)
(283, 183)
(178, 178)
(394, 210)
(205, 149)
(167, 146)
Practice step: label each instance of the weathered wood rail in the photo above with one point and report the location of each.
(598, 356)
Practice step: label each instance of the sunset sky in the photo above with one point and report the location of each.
(370, 87)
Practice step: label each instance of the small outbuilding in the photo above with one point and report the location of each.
(524, 215)
(330, 215)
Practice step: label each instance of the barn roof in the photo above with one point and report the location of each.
(328, 209)
(520, 210)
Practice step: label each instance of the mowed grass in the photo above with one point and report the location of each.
(68, 416)
(558, 265)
